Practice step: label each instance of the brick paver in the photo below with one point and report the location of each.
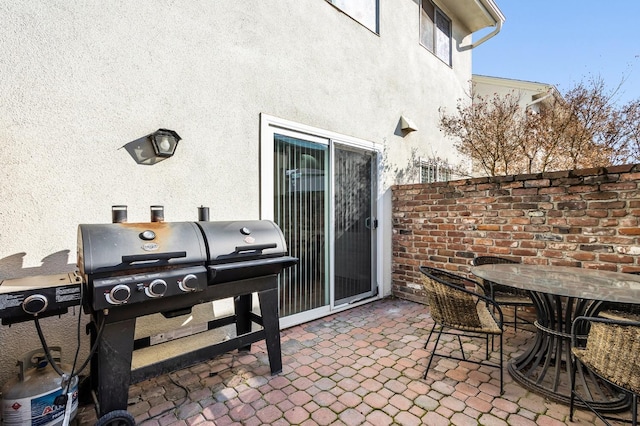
(363, 366)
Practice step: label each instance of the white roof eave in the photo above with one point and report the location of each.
(475, 14)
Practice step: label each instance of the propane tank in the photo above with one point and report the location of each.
(29, 399)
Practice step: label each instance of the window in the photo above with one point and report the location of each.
(363, 11)
(431, 171)
(435, 31)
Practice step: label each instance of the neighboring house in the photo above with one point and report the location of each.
(531, 94)
(288, 110)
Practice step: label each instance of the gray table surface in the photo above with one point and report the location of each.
(565, 281)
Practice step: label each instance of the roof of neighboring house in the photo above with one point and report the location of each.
(540, 91)
(512, 83)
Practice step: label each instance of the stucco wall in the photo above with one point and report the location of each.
(82, 79)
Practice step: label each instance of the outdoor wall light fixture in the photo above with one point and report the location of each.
(164, 142)
(407, 125)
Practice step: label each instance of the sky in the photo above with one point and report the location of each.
(564, 42)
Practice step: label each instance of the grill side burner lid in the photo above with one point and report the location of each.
(106, 248)
(235, 241)
(244, 249)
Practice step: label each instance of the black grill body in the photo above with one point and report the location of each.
(125, 263)
(132, 270)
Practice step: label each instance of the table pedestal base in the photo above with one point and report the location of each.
(544, 367)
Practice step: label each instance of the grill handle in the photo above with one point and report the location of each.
(153, 257)
(255, 247)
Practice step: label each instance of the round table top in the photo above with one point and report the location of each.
(565, 281)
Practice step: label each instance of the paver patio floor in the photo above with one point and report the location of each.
(363, 366)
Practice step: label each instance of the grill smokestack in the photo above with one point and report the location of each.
(157, 213)
(118, 214)
(203, 214)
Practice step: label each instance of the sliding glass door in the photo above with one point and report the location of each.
(301, 199)
(354, 224)
(323, 197)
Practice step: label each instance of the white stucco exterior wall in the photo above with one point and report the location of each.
(79, 80)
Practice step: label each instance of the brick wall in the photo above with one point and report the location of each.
(584, 218)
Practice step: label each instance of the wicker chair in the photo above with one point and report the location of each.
(504, 295)
(456, 307)
(611, 351)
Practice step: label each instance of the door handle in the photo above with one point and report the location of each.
(370, 223)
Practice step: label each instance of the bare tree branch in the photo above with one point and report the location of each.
(585, 128)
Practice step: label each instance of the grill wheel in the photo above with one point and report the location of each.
(116, 418)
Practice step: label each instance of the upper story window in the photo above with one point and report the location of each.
(363, 11)
(435, 31)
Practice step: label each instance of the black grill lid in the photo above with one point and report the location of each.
(235, 241)
(105, 248)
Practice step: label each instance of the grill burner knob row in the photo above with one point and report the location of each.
(119, 294)
(156, 288)
(35, 304)
(188, 283)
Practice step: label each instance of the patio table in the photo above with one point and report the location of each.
(560, 294)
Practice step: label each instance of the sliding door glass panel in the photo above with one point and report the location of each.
(354, 225)
(301, 201)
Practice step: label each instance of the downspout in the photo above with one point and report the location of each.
(549, 93)
(488, 36)
(493, 33)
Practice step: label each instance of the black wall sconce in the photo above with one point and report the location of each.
(164, 142)
(154, 147)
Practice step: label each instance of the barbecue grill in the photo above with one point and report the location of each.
(124, 264)
(131, 270)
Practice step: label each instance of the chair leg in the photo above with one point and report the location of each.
(634, 409)
(429, 338)
(486, 355)
(572, 399)
(515, 319)
(501, 365)
(461, 350)
(433, 353)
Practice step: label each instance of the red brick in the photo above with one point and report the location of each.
(569, 211)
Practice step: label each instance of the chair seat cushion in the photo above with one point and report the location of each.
(512, 299)
(487, 324)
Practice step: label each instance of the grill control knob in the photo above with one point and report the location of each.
(34, 304)
(119, 294)
(156, 288)
(188, 283)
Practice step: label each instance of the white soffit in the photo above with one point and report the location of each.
(474, 14)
